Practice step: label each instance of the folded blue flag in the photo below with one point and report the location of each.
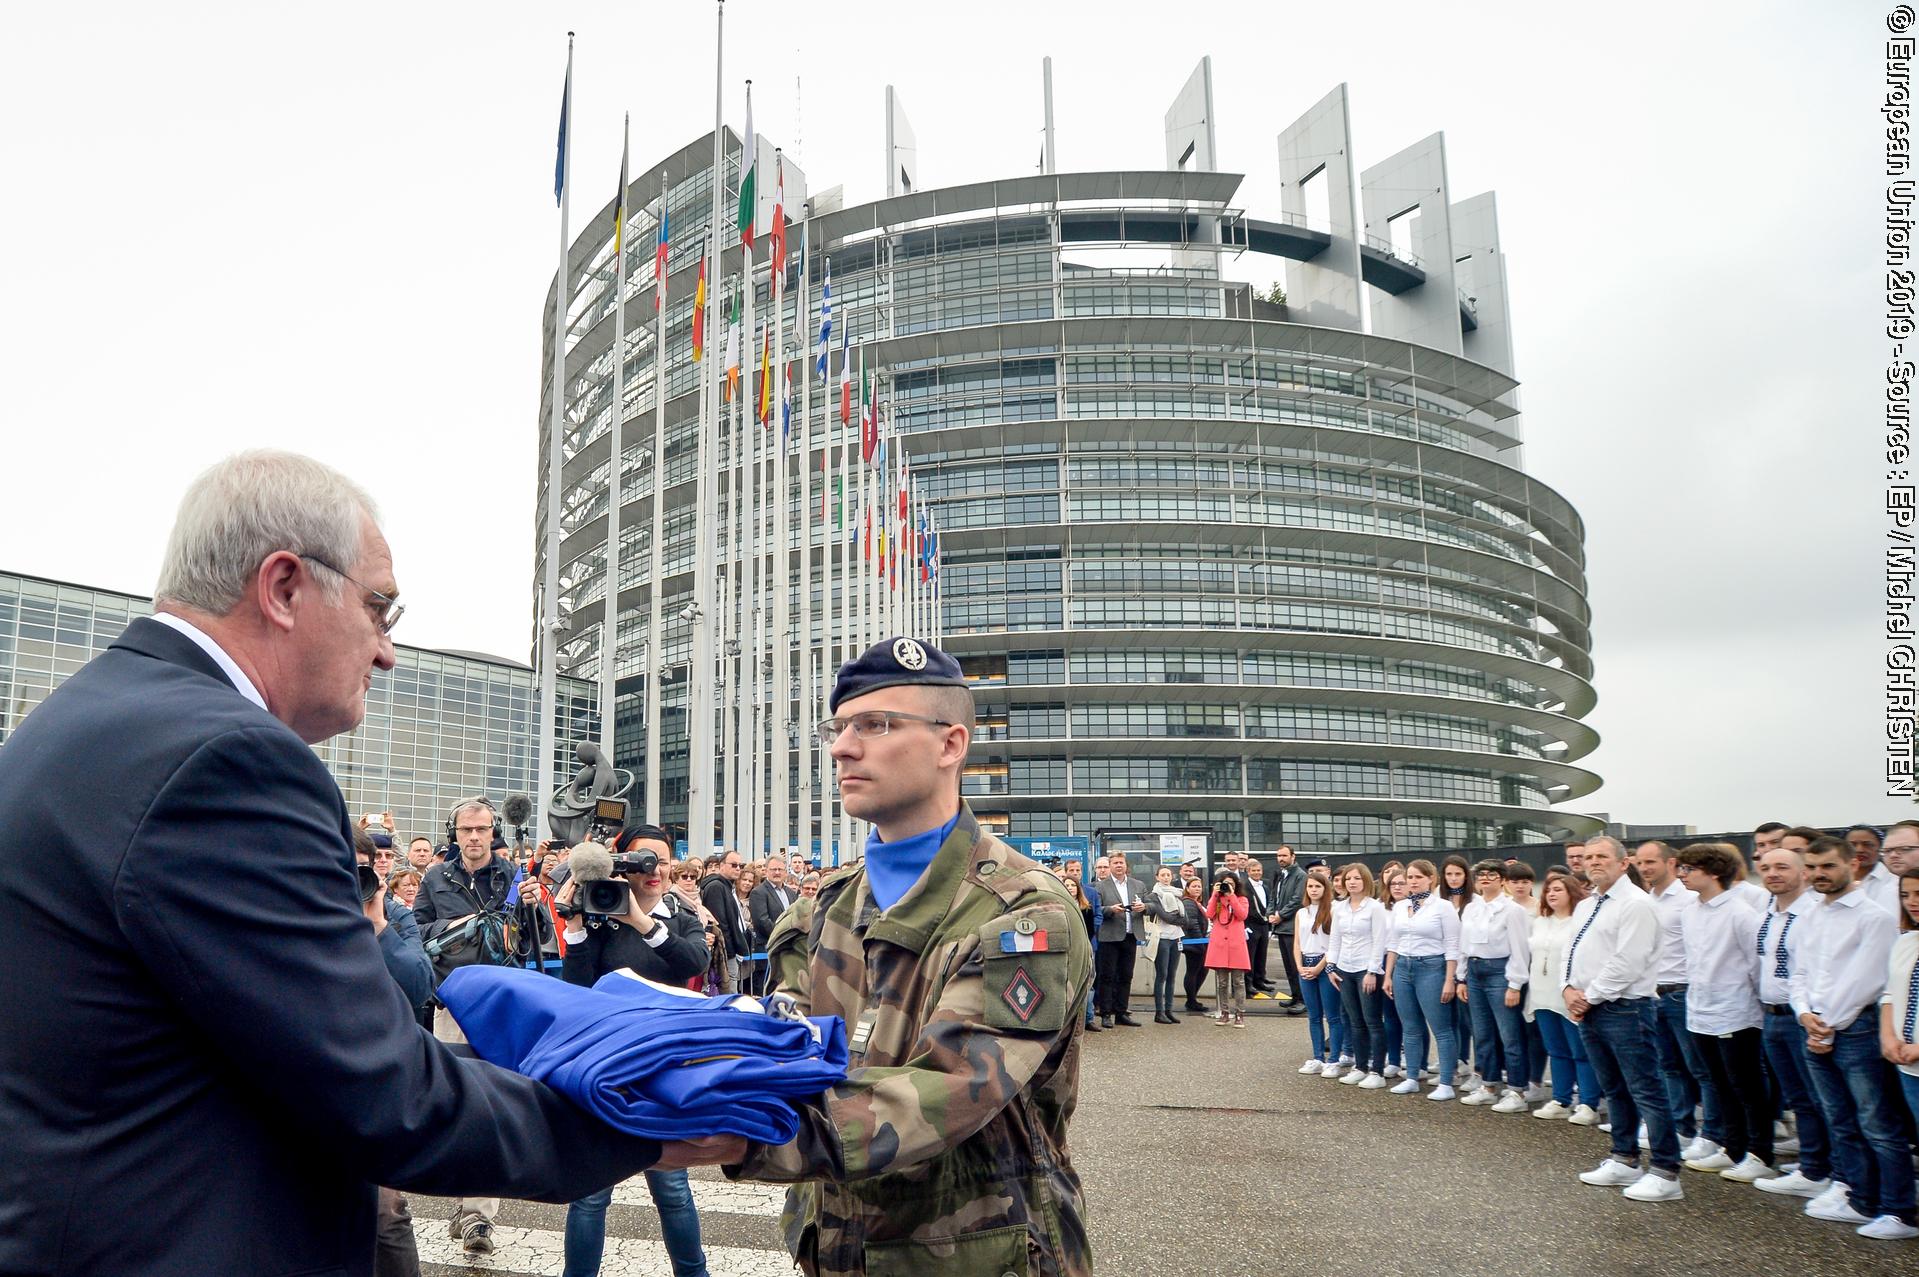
(653, 1061)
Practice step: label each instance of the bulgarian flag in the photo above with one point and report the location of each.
(733, 351)
(699, 313)
(776, 234)
(749, 172)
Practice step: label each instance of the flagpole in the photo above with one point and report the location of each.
(751, 687)
(803, 754)
(549, 612)
(610, 570)
(699, 693)
(735, 530)
(781, 753)
(830, 526)
(656, 616)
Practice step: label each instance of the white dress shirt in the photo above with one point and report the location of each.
(1882, 889)
(1257, 888)
(1672, 902)
(1752, 894)
(1312, 943)
(204, 641)
(1614, 952)
(1839, 966)
(1497, 928)
(1359, 936)
(1905, 952)
(1779, 933)
(1547, 938)
(1426, 929)
(1723, 994)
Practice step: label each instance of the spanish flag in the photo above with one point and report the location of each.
(699, 313)
(766, 376)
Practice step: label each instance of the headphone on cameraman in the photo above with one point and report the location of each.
(453, 815)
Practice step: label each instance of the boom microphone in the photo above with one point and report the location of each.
(519, 809)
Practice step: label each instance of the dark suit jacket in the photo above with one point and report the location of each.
(723, 902)
(1255, 912)
(204, 1065)
(764, 904)
(1114, 926)
(1289, 888)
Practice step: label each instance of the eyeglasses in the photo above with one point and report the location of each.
(869, 725)
(386, 615)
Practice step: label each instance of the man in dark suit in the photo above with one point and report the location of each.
(204, 1066)
(1259, 925)
(1122, 924)
(765, 905)
(1289, 893)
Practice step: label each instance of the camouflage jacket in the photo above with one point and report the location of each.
(944, 1151)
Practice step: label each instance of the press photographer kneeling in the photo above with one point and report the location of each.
(619, 913)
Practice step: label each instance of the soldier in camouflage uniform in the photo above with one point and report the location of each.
(961, 968)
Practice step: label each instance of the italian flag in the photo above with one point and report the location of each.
(749, 172)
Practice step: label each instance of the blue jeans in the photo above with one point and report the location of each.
(1417, 987)
(1535, 1053)
(1322, 1015)
(1165, 974)
(1359, 1011)
(1785, 1041)
(1092, 989)
(1688, 1081)
(1462, 1031)
(1568, 1055)
(1869, 1150)
(1395, 1031)
(1499, 1031)
(1910, 1085)
(679, 1227)
(1619, 1042)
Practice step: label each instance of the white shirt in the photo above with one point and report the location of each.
(1547, 938)
(1614, 952)
(1905, 951)
(1312, 942)
(203, 641)
(576, 929)
(1672, 902)
(1257, 887)
(1723, 995)
(1430, 932)
(1752, 894)
(1882, 889)
(1840, 963)
(1497, 928)
(1779, 933)
(1359, 936)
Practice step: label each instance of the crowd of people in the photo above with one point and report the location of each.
(1751, 1021)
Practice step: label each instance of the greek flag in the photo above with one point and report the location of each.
(826, 320)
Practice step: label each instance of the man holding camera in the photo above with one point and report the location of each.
(620, 915)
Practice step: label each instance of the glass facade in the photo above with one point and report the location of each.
(441, 726)
(1206, 565)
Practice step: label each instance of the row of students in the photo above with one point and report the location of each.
(1670, 991)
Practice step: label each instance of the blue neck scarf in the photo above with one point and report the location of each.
(1418, 898)
(893, 867)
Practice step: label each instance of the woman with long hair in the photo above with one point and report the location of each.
(1089, 915)
(1550, 934)
(1226, 951)
(1456, 885)
(1421, 971)
(1193, 943)
(1356, 958)
(1165, 928)
(1312, 933)
(1899, 1012)
(1392, 883)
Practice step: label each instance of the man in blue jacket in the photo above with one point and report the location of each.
(204, 1066)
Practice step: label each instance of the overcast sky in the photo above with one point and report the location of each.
(330, 228)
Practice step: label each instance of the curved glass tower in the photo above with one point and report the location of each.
(1211, 557)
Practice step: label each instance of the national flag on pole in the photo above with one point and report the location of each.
(699, 313)
(869, 425)
(777, 232)
(766, 376)
(733, 351)
(924, 546)
(786, 405)
(905, 481)
(559, 160)
(659, 259)
(619, 208)
(866, 536)
(749, 173)
(826, 322)
(846, 375)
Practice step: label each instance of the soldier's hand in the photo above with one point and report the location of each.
(708, 1150)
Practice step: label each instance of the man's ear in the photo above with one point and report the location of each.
(277, 588)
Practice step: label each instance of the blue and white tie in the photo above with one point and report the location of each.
(1912, 1005)
(1779, 968)
(1598, 903)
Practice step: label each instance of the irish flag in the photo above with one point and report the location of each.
(749, 172)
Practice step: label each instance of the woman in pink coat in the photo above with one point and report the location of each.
(1226, 949)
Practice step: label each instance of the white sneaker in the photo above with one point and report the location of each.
(1373, 1082)
(1441, 1093)
(1346, 1058)
(1311, 1068)
(1332, 1072)
(1511, 1102)
(1611, 1174)
(1484, 1095)
(1536, 1092)
(1788, 1147)
(1887, 1228)
(1605, 1128)
(1584, 1115)
(1719, 1161)
(1552, 1109)
(1408, 1087)
(1699, 1150)
(1425, 1075)
(1353, 1078)
(1393, 1070)
(1793, 1185)
(1835, 1192)
(1750, 1170)
(1467, 1080)
(1653, 1188)
(1838, 1210)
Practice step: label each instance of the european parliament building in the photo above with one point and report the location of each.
(440, 726)
(1213, 557)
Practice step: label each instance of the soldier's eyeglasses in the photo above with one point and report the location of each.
(869, 725)
(386, 614)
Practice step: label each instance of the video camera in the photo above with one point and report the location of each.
(609, 817)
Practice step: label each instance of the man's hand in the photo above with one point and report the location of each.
(1139, 906)
(1465, 993)
(375, 910)
(386, 819)
(1512, 997)
(1576, 1004)
(708, 1150)
(1818, 1033)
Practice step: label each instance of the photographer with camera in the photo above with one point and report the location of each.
(620, 913)
(461, 908)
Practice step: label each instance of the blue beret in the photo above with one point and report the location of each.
(381, 838)
(895, 662)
